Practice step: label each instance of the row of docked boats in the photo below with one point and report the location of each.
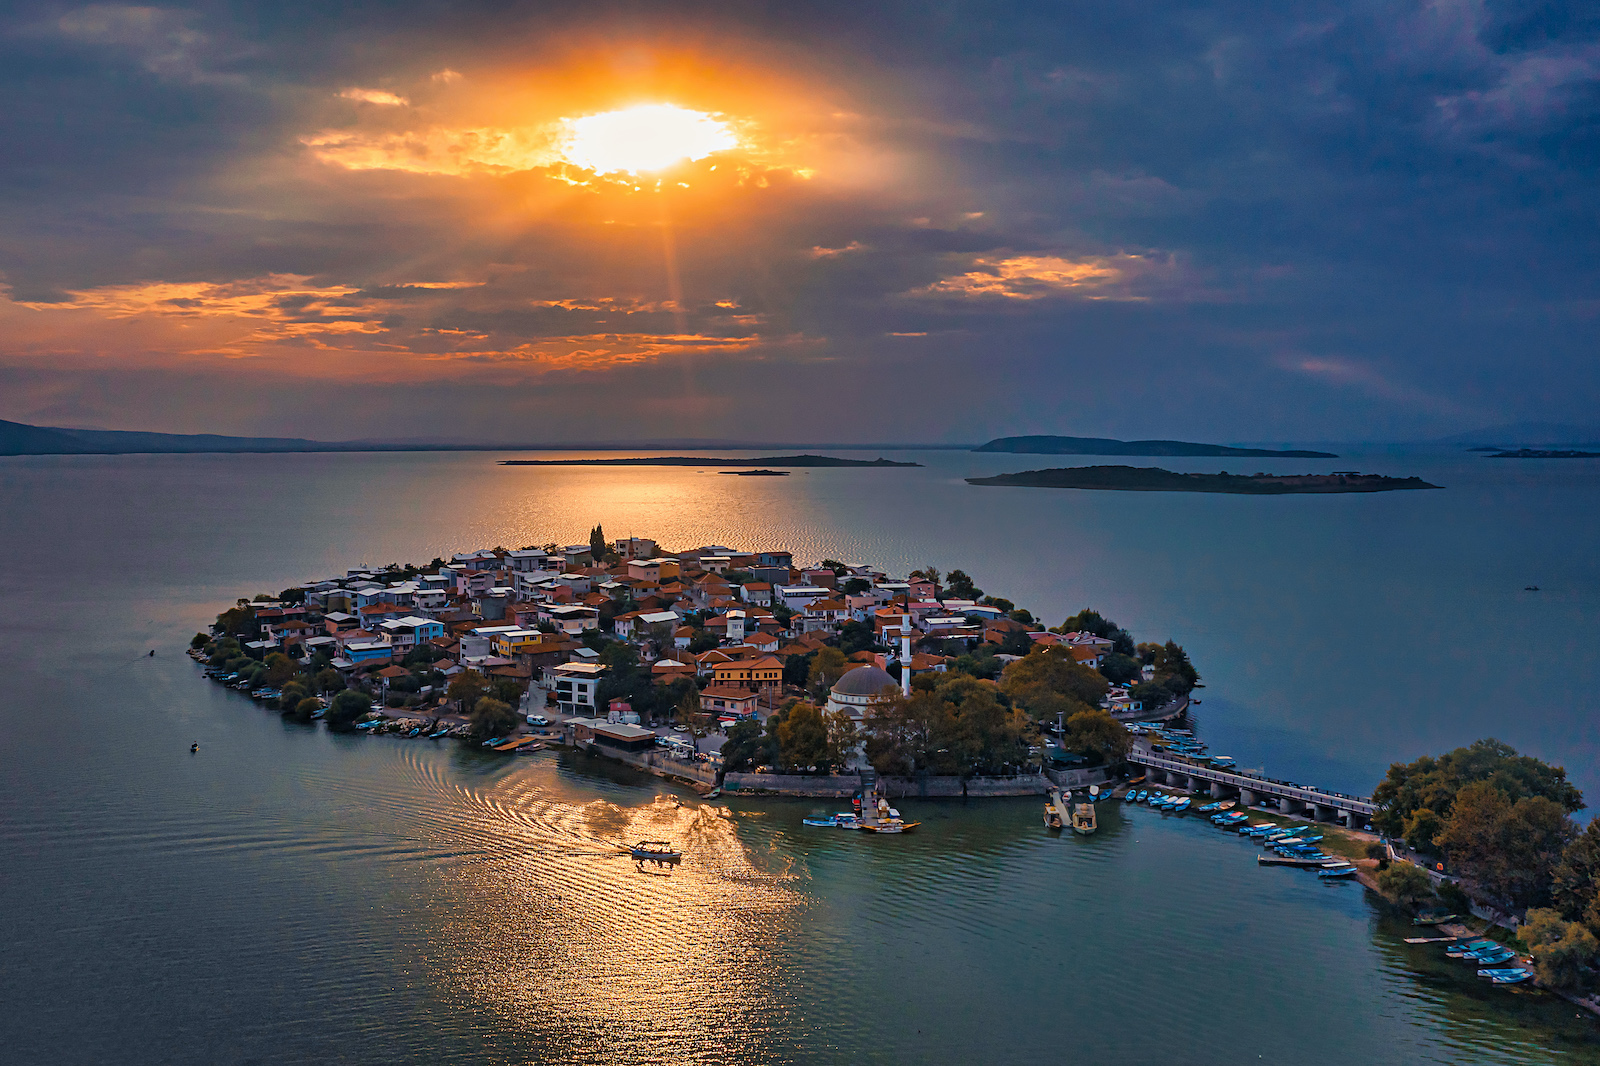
(1181, 742)
(1175, 803)
(888, 821)
(1490, 958)
(1294, 845)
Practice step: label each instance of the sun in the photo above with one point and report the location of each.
(643, 138)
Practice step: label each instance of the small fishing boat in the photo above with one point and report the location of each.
(320, 712)
(894, 826)
(660, 852)
(821, 823)
(1181, 805)
(529, 749)
(1509, 976)
(1130, 796)
(715, 793)
(1083, 819)
(1333, 871)
(415, 732)
(437, 733)
(1052, 818)
(847, 820)
(1433, 918)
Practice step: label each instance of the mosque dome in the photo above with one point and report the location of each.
(863, 681)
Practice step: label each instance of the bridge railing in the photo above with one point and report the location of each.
(1359, 804)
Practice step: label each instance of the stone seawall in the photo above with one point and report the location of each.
(843, 786)
(830, 786)
(958, 788)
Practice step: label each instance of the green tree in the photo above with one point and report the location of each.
(466, 688)
(492, 718)
(857, 636)
(802, 738)
(702, 641)
(1422, 827)
(855, 586)
(1434, 782)
(1405, 884)
(1565, 954)
(1509, 850)
(1575, 887)
(959, 586)
(329, 680)
(843, 736)
(1047, 682)
(689, 709)
(280, 668)
(1095, 733)
(347, 707)
(199, 640)
(747, 747)
(597, 544)
(827, 667)
(1120, 669)
(304, 709)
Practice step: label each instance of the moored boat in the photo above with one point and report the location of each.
(660, 852)
(1333, 871)
(1052, 820)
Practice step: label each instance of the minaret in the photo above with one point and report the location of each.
(905, 655)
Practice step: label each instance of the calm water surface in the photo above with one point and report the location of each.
(291, 896)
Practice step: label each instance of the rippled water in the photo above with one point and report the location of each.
(287, 895)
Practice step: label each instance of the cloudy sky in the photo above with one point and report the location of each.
(875, 222)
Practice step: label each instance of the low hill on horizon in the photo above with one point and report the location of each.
(19, 438)
(1051, 445)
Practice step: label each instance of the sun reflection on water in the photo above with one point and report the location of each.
(574, 948)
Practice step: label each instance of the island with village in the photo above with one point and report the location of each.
(737, 672)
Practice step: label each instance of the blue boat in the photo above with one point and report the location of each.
(1331, 872)
(1144, 794)
(1181, 805)
(1507, 976)
(436, 735)
(821, 823)
(1130, 796)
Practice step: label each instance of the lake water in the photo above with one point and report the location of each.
(291, 896)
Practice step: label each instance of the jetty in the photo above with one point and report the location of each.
(1253, 790)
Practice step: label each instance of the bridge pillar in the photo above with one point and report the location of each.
(1216, 790)
(1324, 814)
(1350, 819)
(1286, 805)
(1247, 798)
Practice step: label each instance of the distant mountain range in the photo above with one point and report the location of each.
(18, 438)
(1046, 445)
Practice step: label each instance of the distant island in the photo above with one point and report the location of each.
(689, 460)
(755, 473)
(1542, 453)
(1154, 479)
(1046, 445)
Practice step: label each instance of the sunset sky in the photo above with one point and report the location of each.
(801, 221)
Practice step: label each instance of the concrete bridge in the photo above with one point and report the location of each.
(1314, 803)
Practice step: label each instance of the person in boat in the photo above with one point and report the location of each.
(193, 748)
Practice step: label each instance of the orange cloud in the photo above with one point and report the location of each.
(374, 96)
(1035, 277)
(295, 324)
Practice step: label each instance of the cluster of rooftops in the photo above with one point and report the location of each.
(523, 614)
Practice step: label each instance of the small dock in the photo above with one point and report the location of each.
(1058, 800)
(1303, 864)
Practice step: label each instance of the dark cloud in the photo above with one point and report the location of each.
(1319, 221)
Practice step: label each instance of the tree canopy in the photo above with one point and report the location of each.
(961, 726)
(1433, 782)
(1047, 682)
